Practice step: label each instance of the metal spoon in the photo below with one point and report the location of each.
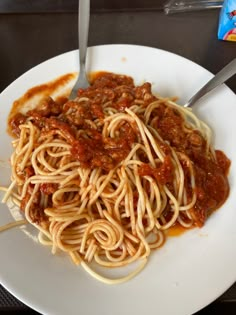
(83, 29)
(223, 75)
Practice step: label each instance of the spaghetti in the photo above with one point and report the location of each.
(103, 177)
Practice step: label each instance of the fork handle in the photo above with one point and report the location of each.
(223, 75)
(83, 25)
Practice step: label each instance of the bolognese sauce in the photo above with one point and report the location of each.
(75, 120)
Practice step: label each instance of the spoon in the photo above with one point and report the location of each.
(223, 75)
(83, 29)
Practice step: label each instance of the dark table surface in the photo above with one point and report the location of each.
(32, 33)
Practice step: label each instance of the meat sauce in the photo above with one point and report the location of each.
(212, 187)
(92, 149)
(163, 173)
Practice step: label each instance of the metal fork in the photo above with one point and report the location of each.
(83, 29)
(223, 75)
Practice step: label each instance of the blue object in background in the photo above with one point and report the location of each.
(227, 23)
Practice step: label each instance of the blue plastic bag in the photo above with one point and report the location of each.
(227, 23)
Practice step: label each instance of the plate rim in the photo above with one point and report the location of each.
(4, 284)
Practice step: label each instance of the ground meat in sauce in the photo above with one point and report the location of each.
(92, 149)
(163, 173)
(47, 107)
(15, 122)
(36, 212)
(48, 188)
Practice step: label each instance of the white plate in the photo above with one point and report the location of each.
(189, 271)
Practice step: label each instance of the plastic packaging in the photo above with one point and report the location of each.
(227, 22)
(175, 6)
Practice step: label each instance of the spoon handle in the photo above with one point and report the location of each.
(84, 14)
(223, 75)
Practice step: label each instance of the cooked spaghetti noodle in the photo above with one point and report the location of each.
(104, 176)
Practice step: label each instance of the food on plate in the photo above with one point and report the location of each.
(105, 176)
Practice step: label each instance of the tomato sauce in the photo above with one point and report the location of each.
(212, 186)
(163, 174)
(92, 149)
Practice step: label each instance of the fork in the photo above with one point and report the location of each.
(83, 29)
(223, 75)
